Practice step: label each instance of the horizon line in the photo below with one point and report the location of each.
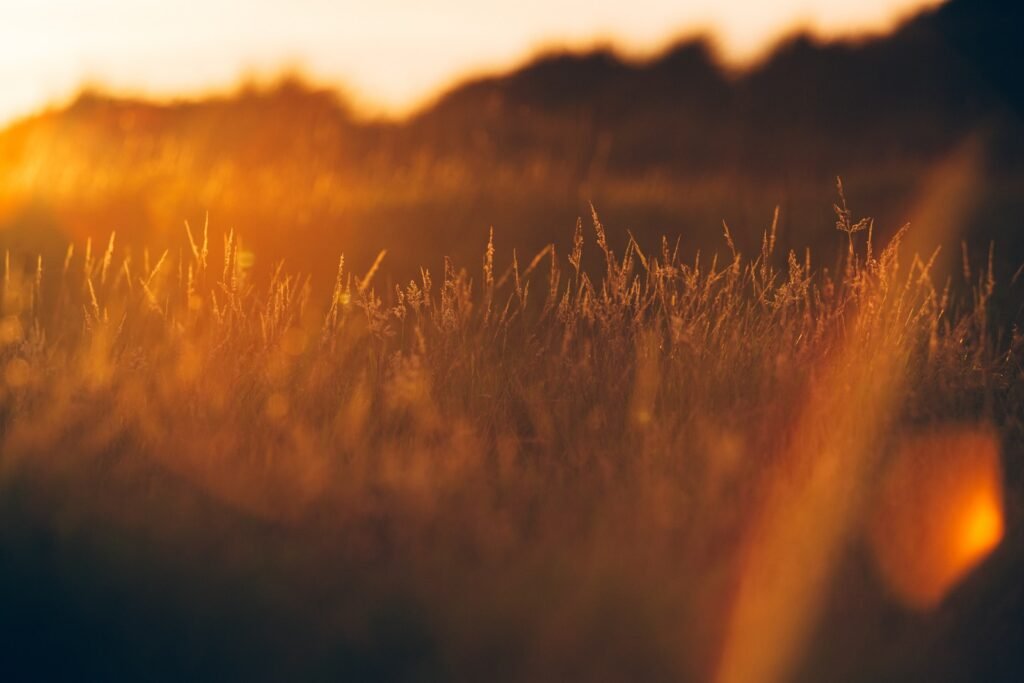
(366, 107)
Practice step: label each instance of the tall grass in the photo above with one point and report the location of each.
(558, 468)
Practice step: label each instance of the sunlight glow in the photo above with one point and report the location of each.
(393, 54)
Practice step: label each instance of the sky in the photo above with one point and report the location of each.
(388, 55)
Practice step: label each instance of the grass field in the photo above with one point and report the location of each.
(597, 465)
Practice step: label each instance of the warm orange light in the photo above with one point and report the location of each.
(982, 530)
(938, 514)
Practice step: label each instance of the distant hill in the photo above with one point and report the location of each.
(924, 124)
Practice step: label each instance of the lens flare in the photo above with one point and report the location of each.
(939, 513)
(982, 530)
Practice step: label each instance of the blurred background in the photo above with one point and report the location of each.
(318, 128)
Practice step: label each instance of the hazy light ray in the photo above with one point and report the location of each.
(392, 53)
(811, 502)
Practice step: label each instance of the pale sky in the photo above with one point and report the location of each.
(390, 54)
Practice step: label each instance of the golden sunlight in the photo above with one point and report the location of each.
(553, 340)
(393, 53)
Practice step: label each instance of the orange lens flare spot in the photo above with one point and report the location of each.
(938, 513)
(982, 529)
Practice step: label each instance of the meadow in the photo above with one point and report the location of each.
(610, 463)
